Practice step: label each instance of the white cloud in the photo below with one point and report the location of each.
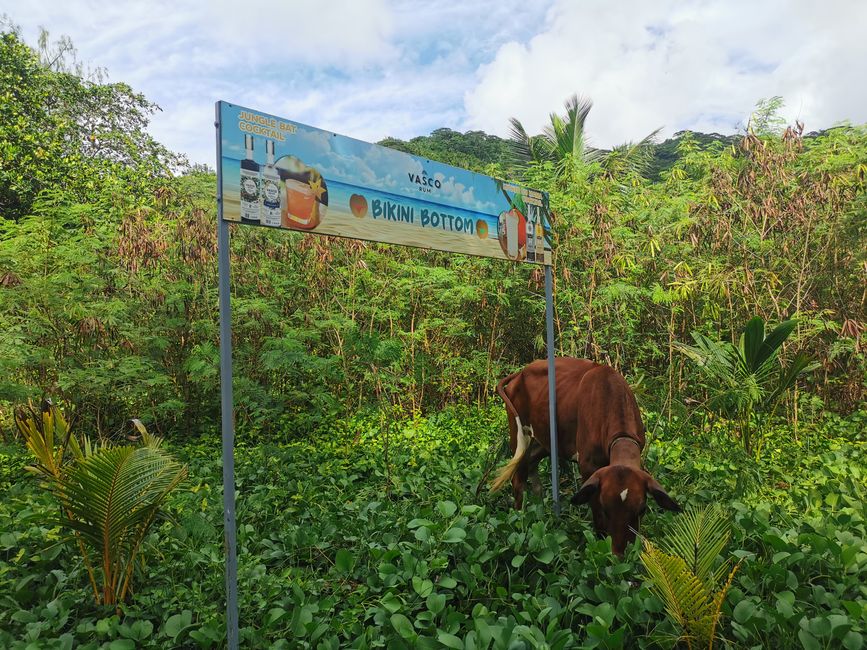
(345, 33)
(700, 65)
(372, 68)
(186, 55)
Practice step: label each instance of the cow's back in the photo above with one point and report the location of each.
(606, 410)
(594, 405)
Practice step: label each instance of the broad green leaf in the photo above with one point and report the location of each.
(274, 614)
(808, 640)
(785, 601)
(436, 603)
(415, 523)
(122, 644)
(391, 602)
(449, 640)
(138, 631)
(853, 641)
(402, 626)
(176, 623)
(744, 611)
(423, 587)
(344, 560)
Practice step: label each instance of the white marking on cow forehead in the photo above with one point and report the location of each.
(623, 494)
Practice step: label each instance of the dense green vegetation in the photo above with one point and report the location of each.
(364, 376)
(344, 543)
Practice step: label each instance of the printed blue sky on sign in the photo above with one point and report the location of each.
(358, 163)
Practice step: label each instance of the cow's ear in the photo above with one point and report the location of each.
(661, 496)
(586, 492)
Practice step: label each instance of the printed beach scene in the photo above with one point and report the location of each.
(335, 185)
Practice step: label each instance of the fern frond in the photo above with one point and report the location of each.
(683, 594)
(698, 536)
(682, 573)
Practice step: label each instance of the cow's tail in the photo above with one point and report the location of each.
(523, 440)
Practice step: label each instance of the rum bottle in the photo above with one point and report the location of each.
(250, 184)
(270, 189)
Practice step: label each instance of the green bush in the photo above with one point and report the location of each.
(338, 549)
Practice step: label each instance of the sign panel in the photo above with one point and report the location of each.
(282, 174)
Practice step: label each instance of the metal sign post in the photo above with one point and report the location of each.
(226, 409)
(552, 388)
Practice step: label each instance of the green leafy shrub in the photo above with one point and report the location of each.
(685, 574)
(747, 379)
(109, 496)
(337, 550)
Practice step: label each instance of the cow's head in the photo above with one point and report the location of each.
(617, 495)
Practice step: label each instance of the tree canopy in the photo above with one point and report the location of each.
(108, 281)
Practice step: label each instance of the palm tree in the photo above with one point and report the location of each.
(631, 157)
(686, 575)
(563, 142)
(110, 496)
(747, 378)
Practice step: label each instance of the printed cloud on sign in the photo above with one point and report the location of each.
(461, 194)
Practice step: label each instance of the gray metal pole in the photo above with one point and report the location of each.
(552, 388)
(226, 408)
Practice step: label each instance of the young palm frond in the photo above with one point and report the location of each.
(565, 134)
(520, 143)
(698, 537)
(682, 593)
(759, 354)
(746, 376)
(682, 574)
(526, 149)
(48, 435)
(632, 157)
(564, 143)
(110, 500)
(109, 496)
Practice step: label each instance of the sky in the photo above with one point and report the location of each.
(376, 68)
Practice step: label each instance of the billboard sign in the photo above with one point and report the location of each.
(281, 174)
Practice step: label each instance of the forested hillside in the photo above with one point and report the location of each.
(477, 150)
(365, 374)
(109, 281)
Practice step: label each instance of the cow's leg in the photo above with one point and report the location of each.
(519, 482)
(535, 483)
(534, 455)
(587, 470)
(526, 467)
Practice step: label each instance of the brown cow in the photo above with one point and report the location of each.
(598, 426)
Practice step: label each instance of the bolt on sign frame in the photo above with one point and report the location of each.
(277, 173)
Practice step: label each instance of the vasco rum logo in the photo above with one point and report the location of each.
(424, 182)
